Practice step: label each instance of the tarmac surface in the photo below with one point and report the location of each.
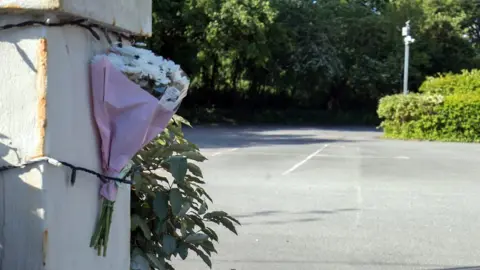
(312, 198)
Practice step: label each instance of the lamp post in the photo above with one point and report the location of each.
(407, 39)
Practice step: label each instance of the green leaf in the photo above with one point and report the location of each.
(196, 238)
(155, 261)
(180, 120)
(169, 266)
(138, 261)
(188, 190)
(208, 245)
(137, 221)
(229, 225)
(180, 148)
(160, 205)
(201, 192)
(216, 214)
(195, 179)
(193, 168)
(176, 130)
(161, 228)
(176, 200)
(194, 156)
(198, 221)
(137, 180)
(169, 244)
(186, 206)
(234, 220)
(178, 167)
(183, 251)
(211, 233)
(202, 255)
(203, 208)
(184, 226)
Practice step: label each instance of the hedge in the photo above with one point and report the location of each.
(446, 84)
(431, 117)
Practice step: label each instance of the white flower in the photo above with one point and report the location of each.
(131, 69)
(142, 66)
(117, 60)
(146, 69)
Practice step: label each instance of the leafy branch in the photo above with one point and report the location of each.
(169, 205)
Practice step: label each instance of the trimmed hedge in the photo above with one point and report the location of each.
(447, 84)
(431, 117)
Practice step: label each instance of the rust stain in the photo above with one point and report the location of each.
(45, 247)
(145, 34)
(42, 96)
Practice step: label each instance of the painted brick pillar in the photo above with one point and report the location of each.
(45, 110)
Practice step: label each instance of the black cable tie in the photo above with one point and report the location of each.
(102, 179)
(73, 177)
(90, 29)
(109, 40)
(119, 38)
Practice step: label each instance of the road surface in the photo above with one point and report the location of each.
(312, 198)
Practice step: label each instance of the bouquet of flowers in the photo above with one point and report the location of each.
(135, 94)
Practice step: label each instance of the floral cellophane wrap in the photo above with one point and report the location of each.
(127, 118)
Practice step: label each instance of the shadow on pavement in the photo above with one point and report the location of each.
(460, 268)
(238, 137)
(317, 215)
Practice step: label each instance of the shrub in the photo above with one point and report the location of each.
(447, 84)
(408, 107)
(461, 117)
(431, 117)
(169, 206)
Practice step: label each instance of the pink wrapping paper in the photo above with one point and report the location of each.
(127, 118)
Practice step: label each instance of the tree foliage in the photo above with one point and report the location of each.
(329, 55)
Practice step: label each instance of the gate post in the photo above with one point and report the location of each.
(46, 111)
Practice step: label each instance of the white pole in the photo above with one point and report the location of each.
(407, 40)
(405, 70)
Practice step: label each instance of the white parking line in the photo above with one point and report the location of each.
(305, 160)
(360, 157)
(222, 152)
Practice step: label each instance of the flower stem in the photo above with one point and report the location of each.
(96, 236)
(107, 229)
(100, 237)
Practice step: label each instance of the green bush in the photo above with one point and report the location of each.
(431, 117)
(447, 84)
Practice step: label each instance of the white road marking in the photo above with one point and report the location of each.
(222, 152)
(305, 160)
(359, 203)
(360, 157)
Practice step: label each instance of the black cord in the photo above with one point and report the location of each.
(102, 177)
(84, 23)
(74, 169)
